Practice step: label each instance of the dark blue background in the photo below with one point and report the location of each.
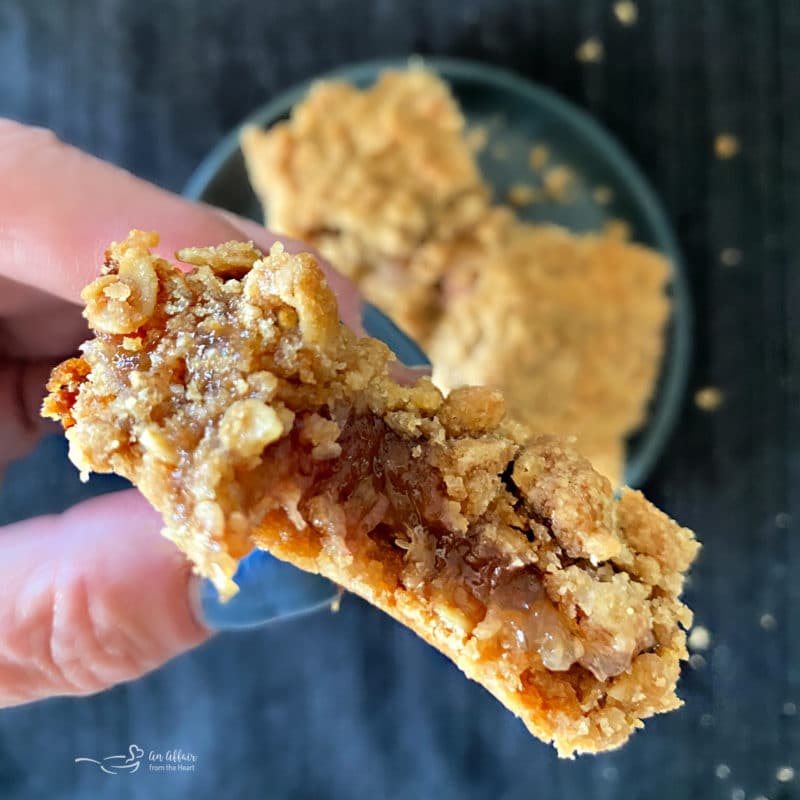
(352, 705)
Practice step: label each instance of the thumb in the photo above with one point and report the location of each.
(91, 597)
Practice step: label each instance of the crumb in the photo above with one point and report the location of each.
(768, 622)
(558, 183)
(590, 51)
(723, 771)
(726, 146)
(738, 794)
(696, 661)
(316, 465)
(782, 520)
(731, 257)
(477, 138)
(538, 157)
(709, 398)
(603, 195)
(626, 12)
(760, 797)
(618, 229)
(499, 151)
(789, 709)
(706, 720)
(785, 774)
(522, 194)
(699, 638)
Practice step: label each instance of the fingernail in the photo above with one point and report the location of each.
(377, 324)
(269, 590)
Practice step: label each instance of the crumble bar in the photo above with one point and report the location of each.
(249, 416)
(384, 183)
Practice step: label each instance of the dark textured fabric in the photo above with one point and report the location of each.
(352, 705)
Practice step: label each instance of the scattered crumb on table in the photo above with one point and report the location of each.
(538, 156)
(722, 771)
(699, 638)
(726, 145)
(522, 194)
(738, 794)
(731, 256)
(590, 51)
(768, 622)
(626, 12)
(603, 195)
(785, 774)
(709, 398)
(789, 709)
(782, 519)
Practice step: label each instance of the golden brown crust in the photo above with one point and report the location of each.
(385, 184)
(249, 417)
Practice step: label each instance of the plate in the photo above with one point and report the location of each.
(516, 112)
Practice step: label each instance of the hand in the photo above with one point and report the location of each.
(75, 617)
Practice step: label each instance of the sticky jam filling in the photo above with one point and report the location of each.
(376, 502)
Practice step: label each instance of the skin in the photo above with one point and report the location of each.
(75, 620)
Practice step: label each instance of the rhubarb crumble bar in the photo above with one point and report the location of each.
(385, 184)
(249, 416)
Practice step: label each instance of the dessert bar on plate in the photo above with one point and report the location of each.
(385, 183)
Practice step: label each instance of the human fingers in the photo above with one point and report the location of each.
(60, 207)
(91, 597)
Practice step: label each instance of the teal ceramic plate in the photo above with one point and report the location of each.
(515, 113)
